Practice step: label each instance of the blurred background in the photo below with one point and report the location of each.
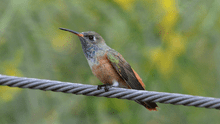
(172, 44)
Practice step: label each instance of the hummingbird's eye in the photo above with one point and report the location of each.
(91, 37)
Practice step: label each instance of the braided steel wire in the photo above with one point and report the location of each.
(120, 93)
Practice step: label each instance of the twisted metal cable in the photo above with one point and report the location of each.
(120, 93)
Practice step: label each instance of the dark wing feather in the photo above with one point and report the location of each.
(124, 69)
(126, 72)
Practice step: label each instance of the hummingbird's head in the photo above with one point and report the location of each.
(88, 37)
(90, 40)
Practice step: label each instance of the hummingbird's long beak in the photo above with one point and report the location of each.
(74, 32)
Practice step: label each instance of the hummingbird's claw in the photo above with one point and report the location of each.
(99, 87)
(107, 86)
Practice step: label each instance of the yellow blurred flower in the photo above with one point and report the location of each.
(164, 58)
(11, 68)
(7, 93)
(164, 61)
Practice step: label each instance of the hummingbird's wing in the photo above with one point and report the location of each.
(124, 70)
(129, 75)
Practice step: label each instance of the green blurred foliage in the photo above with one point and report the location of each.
(172, 44)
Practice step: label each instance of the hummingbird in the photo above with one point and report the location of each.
(109, 66)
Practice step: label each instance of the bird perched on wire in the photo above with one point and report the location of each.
(109, 66)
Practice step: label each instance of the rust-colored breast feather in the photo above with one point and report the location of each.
(106, 73)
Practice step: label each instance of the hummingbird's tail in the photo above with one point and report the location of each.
(151, 106)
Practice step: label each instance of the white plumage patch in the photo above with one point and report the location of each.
(115, 84)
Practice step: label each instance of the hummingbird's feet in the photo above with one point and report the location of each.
(107, 86)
